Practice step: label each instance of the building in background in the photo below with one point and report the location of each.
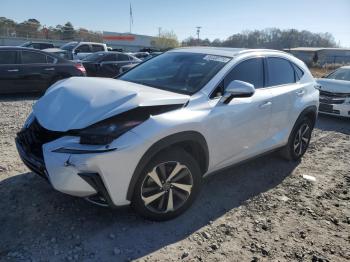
(128, 42)
(321, 55)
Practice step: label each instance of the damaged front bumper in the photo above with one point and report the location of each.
(101, 174)
(334, 104)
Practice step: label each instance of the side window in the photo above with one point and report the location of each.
(33, 58)
(250, 71)
(97, 48)
(8, 57)
(83, 49)
(122, 57)
(280, 71)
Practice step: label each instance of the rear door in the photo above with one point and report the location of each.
(9, 72)
(111, 65)
(287, 91)
(242, 126)
(36, 72)
(108, 67)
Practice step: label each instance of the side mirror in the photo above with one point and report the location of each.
(76, 51)
(237, 89)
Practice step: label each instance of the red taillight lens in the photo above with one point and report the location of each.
(81, 68)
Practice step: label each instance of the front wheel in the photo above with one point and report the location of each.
(168, 185)
(299, 140)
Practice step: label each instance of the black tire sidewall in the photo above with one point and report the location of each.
(175, 154)
(292, 138)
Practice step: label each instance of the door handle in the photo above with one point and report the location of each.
(49, 69)
(300, 92)
(12, 70)
(265, 104)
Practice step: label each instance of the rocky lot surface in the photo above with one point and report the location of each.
(263, 210)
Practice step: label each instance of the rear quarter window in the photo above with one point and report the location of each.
(298, 72)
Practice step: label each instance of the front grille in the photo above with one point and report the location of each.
(331, 101)
(331, 94)
(328, 109)
(34, 136)
(332, 98)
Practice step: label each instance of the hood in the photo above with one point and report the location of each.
(79, 102)
(334, 86)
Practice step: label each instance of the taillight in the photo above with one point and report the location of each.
(81, 68)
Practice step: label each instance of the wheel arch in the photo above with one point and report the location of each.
(309, 112)
(191, 141)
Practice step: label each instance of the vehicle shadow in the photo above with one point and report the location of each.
(333, 123)
(38, 220)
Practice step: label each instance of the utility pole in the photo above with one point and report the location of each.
(159, 31)
(198, 31)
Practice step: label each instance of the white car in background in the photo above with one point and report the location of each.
(149, 137)
(335, 93)
(79, 50)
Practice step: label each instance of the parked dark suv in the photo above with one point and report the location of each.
(30, 70)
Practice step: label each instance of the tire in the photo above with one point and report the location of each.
(299, 140)
(168, 194)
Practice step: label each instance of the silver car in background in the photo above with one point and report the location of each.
(335, 92)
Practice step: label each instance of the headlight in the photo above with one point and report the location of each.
(105, 132)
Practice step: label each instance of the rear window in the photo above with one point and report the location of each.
(95, 57)
(109, 57)
(7, 57)
(122, 57)
(280, 72)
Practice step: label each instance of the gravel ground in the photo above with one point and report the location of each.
(264, 210)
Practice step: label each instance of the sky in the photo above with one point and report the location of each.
(218, 18)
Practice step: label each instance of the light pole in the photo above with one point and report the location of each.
(198, 31)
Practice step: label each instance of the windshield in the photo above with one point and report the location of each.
(178, 72)
(340, 74)
(69, 46)
(94, 57)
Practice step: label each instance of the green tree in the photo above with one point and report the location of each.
(68, 31)
(166, 40)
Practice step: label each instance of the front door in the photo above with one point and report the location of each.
(242, 126)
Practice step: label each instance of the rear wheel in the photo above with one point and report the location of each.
(168, 186)
(299, 140)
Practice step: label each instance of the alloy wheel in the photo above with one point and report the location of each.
(166, 187)
(302, 139)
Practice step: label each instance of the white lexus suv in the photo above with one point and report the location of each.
(149, 137)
